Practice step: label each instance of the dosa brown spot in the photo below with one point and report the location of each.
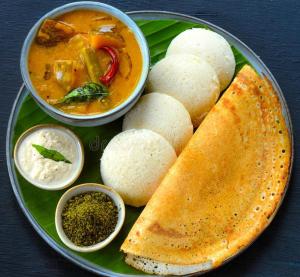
(157, 229)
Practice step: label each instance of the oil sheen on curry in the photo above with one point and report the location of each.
(84, 62)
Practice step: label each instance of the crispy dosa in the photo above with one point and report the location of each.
(223, 189)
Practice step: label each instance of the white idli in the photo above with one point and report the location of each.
(188, 79)
(164, 115)
(134, 162)
(210, 47)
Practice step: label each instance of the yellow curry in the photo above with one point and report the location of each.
(84, 62)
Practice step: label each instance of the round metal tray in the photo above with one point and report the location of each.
(255, 61)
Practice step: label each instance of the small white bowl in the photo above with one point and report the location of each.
(82, 189)
(63, 184)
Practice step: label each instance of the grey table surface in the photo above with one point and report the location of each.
(270, 28)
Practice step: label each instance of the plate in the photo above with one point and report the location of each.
(39, 205)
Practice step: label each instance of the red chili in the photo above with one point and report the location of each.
(114, 65)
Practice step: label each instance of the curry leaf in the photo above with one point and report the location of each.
(50, 154)
(88, 92)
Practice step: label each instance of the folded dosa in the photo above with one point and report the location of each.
(224, 187)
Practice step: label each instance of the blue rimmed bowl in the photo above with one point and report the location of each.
(101, 118)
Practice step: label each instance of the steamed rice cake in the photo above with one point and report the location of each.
(188, 79)
(134, 162)
(164, 115)
(208, 46)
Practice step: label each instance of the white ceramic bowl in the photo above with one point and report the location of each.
(63, 184)
(87, 120)
(81, 189)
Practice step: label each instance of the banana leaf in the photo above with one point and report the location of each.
(41, 204)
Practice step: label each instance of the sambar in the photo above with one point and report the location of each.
(80, 48)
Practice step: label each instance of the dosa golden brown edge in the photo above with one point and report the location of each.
(224, 187)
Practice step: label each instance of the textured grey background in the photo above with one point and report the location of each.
(270, 28)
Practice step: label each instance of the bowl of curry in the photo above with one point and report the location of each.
(85, 63)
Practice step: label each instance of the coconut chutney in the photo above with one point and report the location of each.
(46, 172)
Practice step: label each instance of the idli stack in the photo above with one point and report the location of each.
(164, 115)
(208, 46)
(190, 80)
(182, 88)
(134, 162)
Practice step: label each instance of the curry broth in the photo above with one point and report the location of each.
(122, 85)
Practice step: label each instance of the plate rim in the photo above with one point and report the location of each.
(81, 262)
